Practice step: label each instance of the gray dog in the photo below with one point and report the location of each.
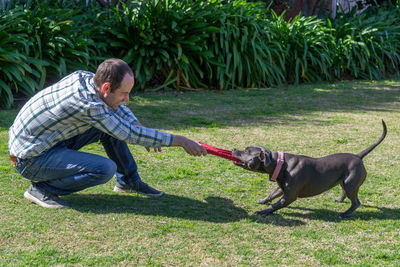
(302, 176)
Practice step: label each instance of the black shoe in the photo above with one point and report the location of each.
(138, 187)
(44, 199)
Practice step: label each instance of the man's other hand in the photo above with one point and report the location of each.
(156, 149)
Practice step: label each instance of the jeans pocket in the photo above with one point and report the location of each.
(25, 168)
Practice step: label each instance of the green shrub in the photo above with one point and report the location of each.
(196, 44)
(161, 39)
(191, 43)
(42, 42)
(367, 45)
(308, 47)
(61, 36)
(19, 72)
(245, 53)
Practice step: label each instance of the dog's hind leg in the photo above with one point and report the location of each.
(355, 203)
(351, 186)
(274, 194)
(343, 196)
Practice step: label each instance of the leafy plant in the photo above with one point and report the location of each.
(62, 34)
(162, 39)
(245, 53)
(19, 72)
(307, 44)
(40, 44)
(367, 45)
(56, 38)
(191, 44)
(196, 44)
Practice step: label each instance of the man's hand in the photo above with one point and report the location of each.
(156, 149)
(191, 147)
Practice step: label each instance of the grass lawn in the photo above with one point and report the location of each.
(206, 216)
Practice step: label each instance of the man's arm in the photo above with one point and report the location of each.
(127, 114)
(134, 132)
(191, 147)
(156, 149)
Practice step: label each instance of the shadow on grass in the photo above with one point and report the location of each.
(212, 209)
(333, 216)
(276, 219)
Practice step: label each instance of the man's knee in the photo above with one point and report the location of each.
(107, 171)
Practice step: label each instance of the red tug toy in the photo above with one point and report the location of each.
(223, 153)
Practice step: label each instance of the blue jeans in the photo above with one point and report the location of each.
(63, 169)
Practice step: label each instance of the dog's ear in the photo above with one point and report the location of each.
(265, 156)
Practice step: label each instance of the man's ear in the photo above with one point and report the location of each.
(105, 88)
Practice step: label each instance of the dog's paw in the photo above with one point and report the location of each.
(344, 215)
(263, 212)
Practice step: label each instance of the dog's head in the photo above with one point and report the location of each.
(253, 158)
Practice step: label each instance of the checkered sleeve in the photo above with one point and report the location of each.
(111, 122)
(126, 114)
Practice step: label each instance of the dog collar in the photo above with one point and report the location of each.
(279, 164)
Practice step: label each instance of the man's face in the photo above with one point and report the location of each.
(119, 95)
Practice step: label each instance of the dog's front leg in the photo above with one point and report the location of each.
(283, 202)
(274, 194)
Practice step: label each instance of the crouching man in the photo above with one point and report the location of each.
(80, 109)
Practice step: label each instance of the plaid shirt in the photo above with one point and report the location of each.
(69, 108)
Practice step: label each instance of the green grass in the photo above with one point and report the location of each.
(206, 217)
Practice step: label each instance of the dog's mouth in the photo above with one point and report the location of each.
(236, 155)
(239, 163)
(251, 166)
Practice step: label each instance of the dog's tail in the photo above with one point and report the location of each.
(370, 148)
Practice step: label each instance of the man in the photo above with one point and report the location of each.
(80, 109)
